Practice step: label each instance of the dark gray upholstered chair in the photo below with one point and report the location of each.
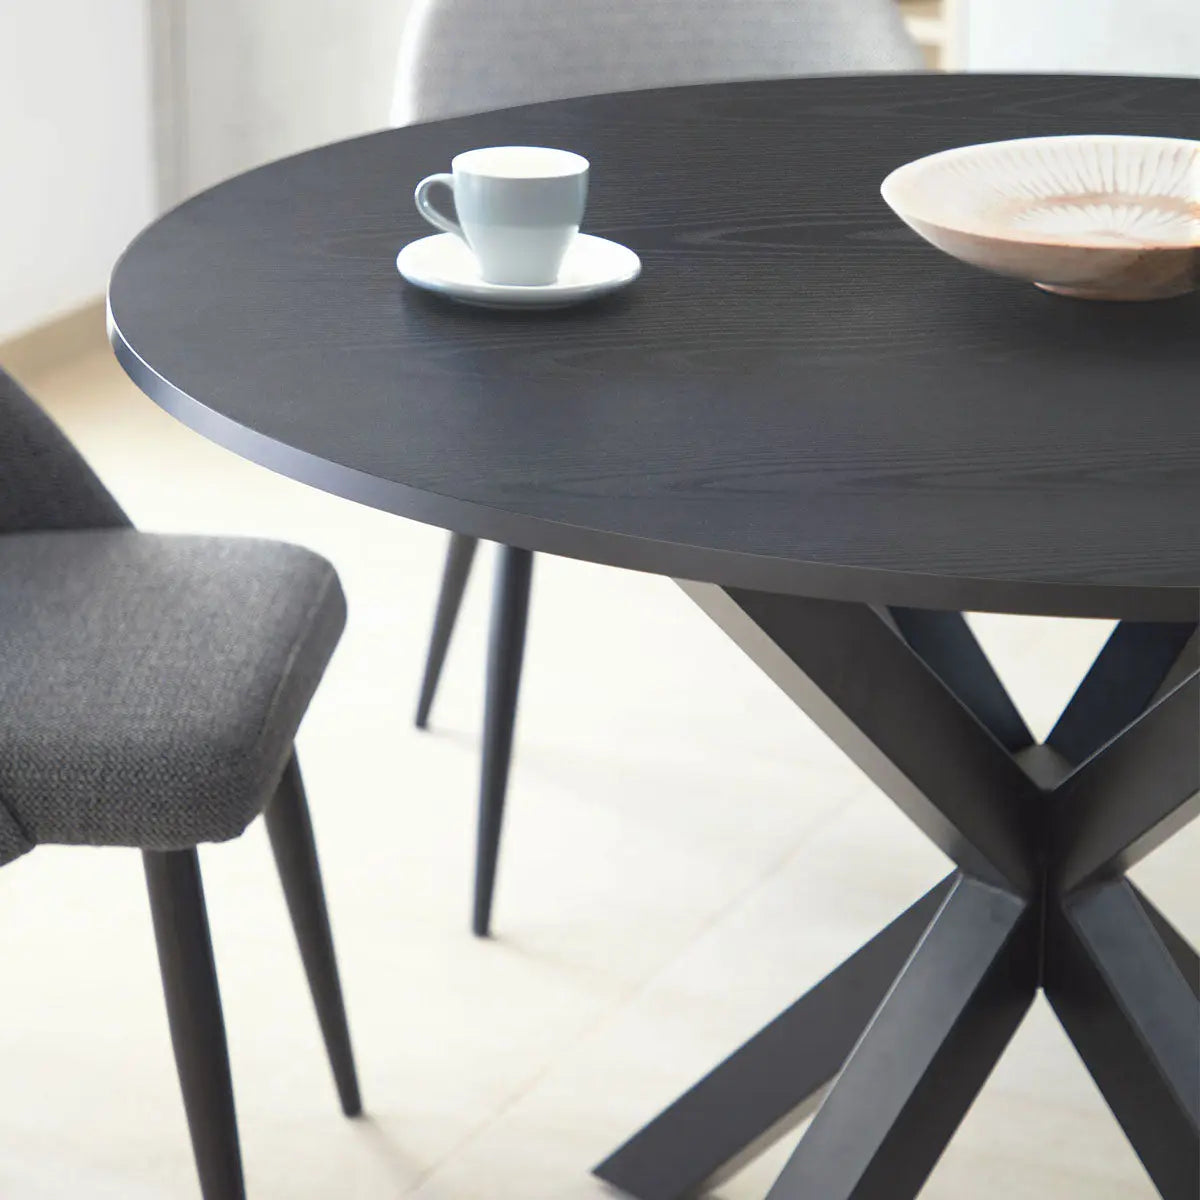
(150, 689)
(463, 56)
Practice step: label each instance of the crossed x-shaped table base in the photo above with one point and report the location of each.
(910, 1027)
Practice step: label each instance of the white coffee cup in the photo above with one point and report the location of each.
(519, 208)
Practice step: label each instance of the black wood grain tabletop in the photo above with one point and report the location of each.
(798, 394)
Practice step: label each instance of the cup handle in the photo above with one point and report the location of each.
(427, 210)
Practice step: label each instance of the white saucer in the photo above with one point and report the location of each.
(593, 267)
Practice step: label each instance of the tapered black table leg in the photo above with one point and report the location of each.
(194, 1012)
(510, 613)
(1134, 1017)
(459, 555)
(290, 828)
(925, 1056)
(746, 1099)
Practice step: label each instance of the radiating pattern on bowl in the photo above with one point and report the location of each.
(1121, 220)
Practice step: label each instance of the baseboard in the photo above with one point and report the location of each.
(56, 342)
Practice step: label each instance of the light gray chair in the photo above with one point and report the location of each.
(463, 56)
(150, 691)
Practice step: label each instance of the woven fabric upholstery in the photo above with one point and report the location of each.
(44, 482)
(151, 686)
(462, 56)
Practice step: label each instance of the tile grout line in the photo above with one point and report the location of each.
(743, 897)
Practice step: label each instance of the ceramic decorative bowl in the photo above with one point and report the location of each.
(1100, 217)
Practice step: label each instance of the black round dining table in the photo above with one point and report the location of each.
(839, 441)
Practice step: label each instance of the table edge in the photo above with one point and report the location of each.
(726, 568)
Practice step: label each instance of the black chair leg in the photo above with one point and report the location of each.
(290, 829)
(459, 556)
(194, 1012)
(510, 612)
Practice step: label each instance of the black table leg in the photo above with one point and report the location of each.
(1123, 680)
(1178, 947)
(924, 1056)
(1128, 798)
(1135, 1019)
(1041, 838)
(737, 1107)
(945, 642)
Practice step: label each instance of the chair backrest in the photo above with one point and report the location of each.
(461, 56)
(44, 482)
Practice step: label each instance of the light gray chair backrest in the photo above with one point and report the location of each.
(462, 56)
(44, 482)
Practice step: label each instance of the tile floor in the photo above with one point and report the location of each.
(684, 855)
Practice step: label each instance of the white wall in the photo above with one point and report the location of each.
(1156, 37)
(266, 78)
(76, 180)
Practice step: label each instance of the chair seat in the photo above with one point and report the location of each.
(151, 685)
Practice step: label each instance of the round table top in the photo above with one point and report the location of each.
(798, 395)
